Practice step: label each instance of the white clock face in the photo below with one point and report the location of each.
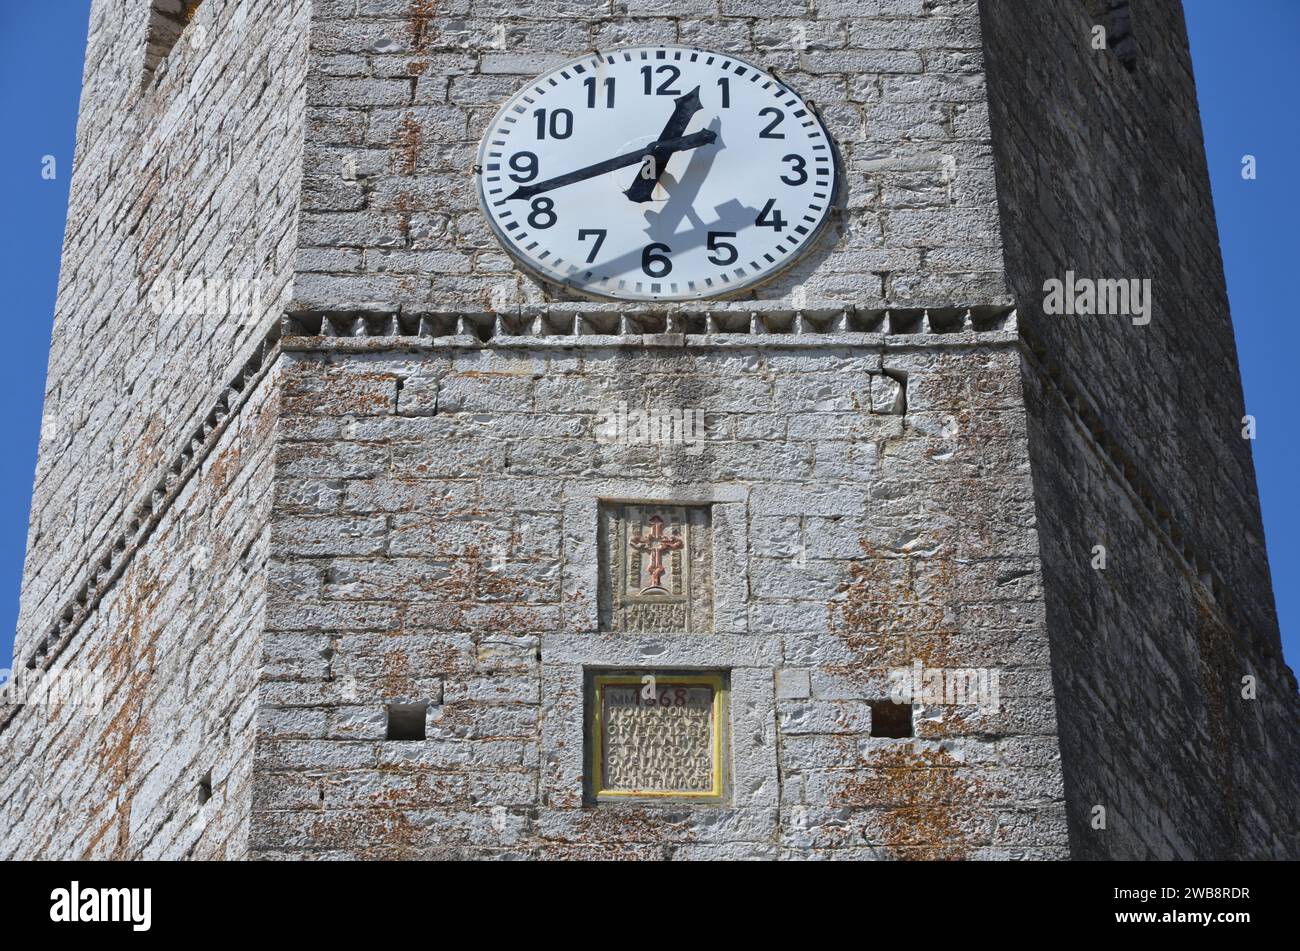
(656, 173)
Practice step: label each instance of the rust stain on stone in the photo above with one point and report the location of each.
(421, 19)
(131, 662)
(925, 794)
(404, 206)
(409, 139)
(147, 453)
(625, 831)
(421, 24)
(386, 831)
(419, 789)
(371, 393)
(1217, 665)
(879, 604)
(913, 800)
(224, 467)
(395, 675)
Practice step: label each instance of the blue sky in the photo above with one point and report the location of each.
(1244, 54)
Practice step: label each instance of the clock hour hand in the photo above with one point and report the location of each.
(643, 188)
(679, 144)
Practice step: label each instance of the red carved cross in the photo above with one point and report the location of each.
(657, 543)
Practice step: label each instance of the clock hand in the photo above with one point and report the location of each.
(680, 143)
(643, 188)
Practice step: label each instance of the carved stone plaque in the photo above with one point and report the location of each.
(658, 736)
(656, 569)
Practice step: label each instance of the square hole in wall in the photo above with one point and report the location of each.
(406, 721)
(167, 21)
(891, 719)
(1116, 17)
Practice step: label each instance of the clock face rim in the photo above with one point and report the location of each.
(731, 292)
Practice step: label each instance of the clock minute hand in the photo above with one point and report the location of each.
(678, 144)
(643, 188)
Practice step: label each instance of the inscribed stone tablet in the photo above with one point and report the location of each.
(659, 739)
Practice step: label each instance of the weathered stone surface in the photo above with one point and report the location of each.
(177, 644)
(820, 587)
(1135, 439)
(419, 487)
(194, 176)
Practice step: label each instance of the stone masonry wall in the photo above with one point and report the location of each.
(434, 540)
(1135, 436)
(262, 543)
(400, 93)
(1149, 670)
(175, 644)
(193, 175)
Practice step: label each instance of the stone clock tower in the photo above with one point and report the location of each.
(379, 534)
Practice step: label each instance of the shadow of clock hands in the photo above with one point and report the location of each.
(683, 191)
(733, 217)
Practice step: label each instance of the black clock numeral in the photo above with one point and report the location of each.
(590, 83)
(525, 163)
(723, 247)
(654, 256)
(600, 239)
(560, 124)
(776, 222)
(725, 83)
(777, 118)
(542, 207)
(799, 169)
(665, 87)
